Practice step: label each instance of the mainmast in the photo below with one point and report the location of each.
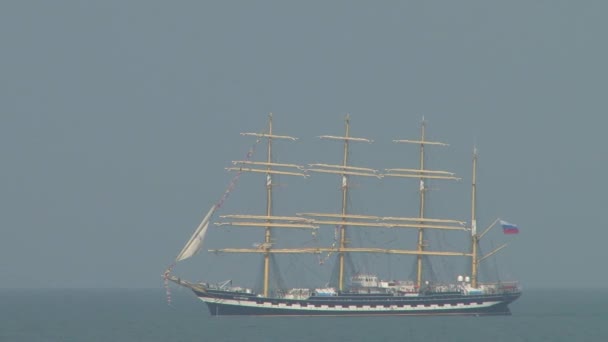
(345, 170)
(422, 173)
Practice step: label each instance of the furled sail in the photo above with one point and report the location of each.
(196, 241)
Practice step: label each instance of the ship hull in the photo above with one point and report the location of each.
(224, 303)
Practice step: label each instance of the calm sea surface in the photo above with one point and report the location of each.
(143, 315)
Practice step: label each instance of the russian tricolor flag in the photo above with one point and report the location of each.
(509, 228)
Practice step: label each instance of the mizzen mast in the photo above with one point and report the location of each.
(475, 238)
(422, 173)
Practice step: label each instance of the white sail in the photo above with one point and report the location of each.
(196, 241)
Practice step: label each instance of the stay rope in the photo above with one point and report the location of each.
(218, 205)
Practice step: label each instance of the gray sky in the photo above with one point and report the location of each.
(118, 117)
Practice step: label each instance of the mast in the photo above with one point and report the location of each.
(345, 171)
(422, 191)
(474, 237)
(267, 221)
(344, 203)
(476, 259)
(422, 173)
(267, 234)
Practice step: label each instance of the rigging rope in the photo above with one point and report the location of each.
(218, 205)
(236, 177)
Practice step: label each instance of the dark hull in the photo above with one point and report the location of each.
(224, 303)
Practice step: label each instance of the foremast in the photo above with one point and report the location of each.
(422, 173)
(268, 222)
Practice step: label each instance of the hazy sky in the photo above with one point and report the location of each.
(117, 119)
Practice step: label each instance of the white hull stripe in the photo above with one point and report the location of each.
(324, 307)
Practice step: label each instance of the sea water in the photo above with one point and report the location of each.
(144, 315)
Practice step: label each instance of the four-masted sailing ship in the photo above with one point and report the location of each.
(353, 293)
